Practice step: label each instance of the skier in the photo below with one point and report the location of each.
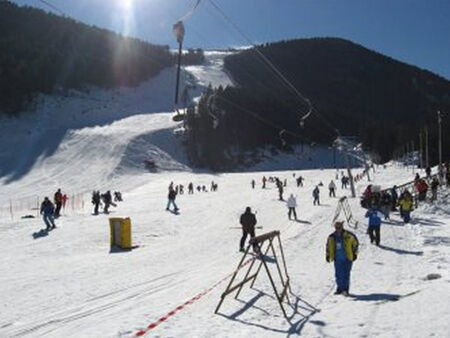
(342, 249)
(248, 222)
(253, 184)
(190, 188)
(285, 183)
(386, 204)
(406, 206)
(332, 189)
(428, 172)
(344, 182)
(96, 201)
(299, 181)
(292, 204)
(117, 196)
(47, 211)
(373, 230)
(64, 200)
(58, 202)
(107, 201)
(264, 182)
(280, 189)
(171, 200)
(422, 188)
(394, 196)
(316, 194)
(181, 189)
(434, 188)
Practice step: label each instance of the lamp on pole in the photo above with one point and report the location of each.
(440, 143)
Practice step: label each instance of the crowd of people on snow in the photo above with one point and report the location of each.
(105, 200)
(174, 190)
(341, 246)
(51, 211)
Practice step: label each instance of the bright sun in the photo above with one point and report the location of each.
(125, 4)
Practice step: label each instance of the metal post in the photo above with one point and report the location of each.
(440, 144)
(352, 186)
(421, 150)
(180, 47)
(426, 147)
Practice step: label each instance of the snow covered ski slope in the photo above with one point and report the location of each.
(68, 283)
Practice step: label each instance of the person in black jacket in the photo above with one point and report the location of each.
(248, 222)
(96, 201)
(171, 199)
(47, 212)
(107, 201)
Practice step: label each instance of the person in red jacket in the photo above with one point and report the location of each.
(422, 188)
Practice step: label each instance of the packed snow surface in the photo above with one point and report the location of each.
(69, 283)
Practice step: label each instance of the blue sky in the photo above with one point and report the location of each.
(413, 31)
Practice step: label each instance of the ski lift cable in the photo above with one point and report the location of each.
(50, 5)
(264, 120)
(274, 69)
(190, 12)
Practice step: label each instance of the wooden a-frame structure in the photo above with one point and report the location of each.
(264, 243)
(345, 208)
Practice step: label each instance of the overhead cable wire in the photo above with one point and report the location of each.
(275, 70)
(50, 5)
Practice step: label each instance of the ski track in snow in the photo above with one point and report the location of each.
(69, 284)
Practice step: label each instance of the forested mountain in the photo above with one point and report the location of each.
(352, 89)
(41, 52)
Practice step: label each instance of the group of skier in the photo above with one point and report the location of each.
(174, 190)
(105, 199)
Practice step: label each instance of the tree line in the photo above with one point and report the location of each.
(41, 52)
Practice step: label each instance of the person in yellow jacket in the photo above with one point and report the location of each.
(342, 249)
(406, 205)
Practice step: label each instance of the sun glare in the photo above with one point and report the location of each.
(125, 15)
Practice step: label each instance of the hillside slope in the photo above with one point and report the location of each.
(358, 91)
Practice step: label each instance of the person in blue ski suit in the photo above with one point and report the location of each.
(342, 249)
(374, 217)
(47, 211)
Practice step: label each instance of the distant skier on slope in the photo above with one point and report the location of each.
(434, 188)
(342, 249)
(47, 211)
(190, 188)
(171, 199)
(96, 201)
(107, 201)
(280, 188)
(58, 202)
(292, 204)
(316, 195)
(373, 230)
(332, 189)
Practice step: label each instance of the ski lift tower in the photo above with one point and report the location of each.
(178, 31)
(344, 145)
